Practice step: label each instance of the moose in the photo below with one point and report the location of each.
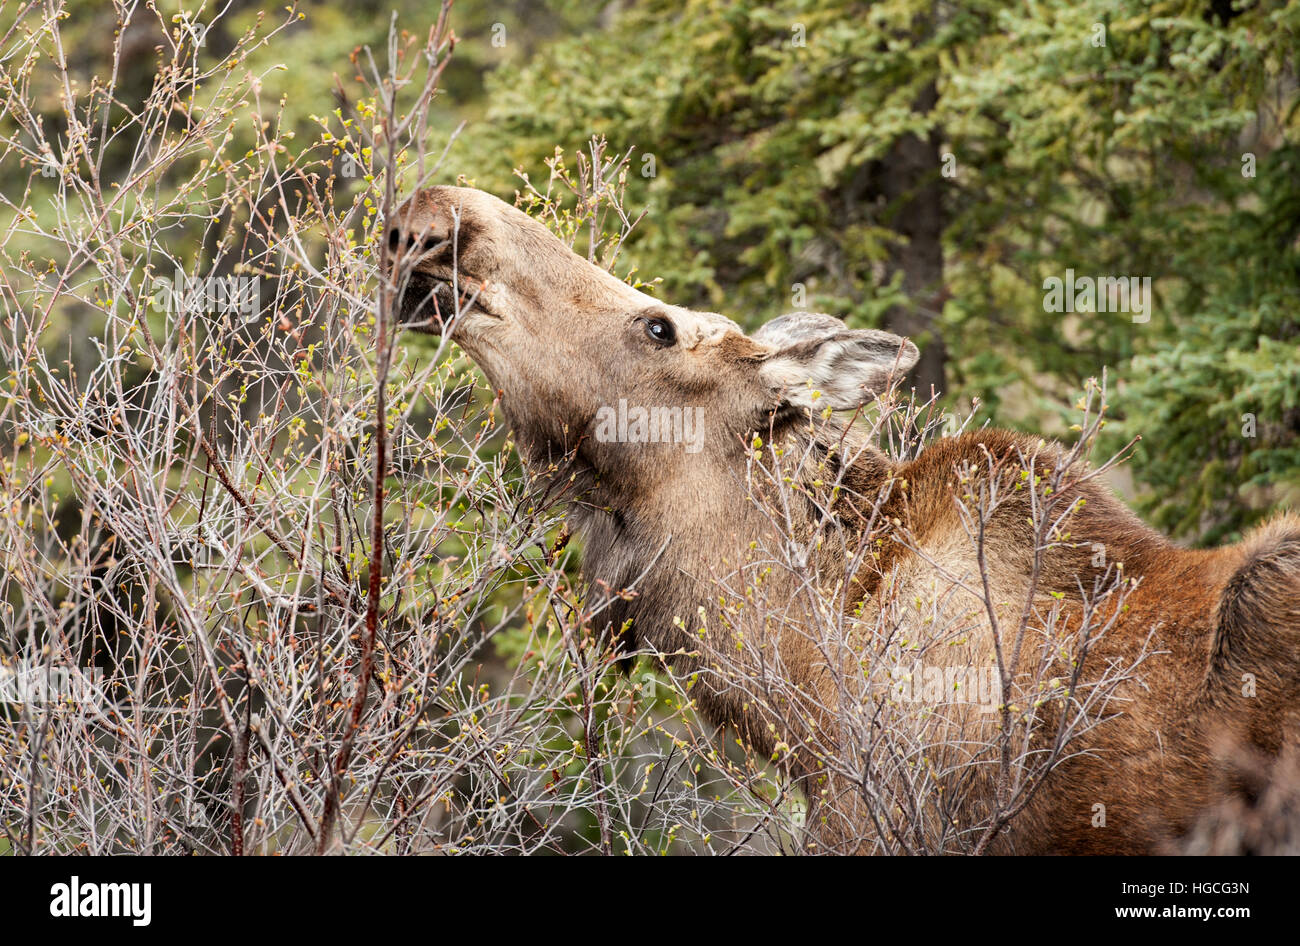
(1211, 636)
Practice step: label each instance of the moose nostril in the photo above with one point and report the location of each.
(398, 239)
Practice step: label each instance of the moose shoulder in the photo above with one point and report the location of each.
(656, 408)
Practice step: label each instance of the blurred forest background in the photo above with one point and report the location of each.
(916, 165)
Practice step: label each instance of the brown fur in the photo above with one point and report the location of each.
(560, 339)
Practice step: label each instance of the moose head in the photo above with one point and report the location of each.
(585, 362)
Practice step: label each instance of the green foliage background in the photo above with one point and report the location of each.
(772, 165)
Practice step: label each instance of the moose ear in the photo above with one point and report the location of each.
(814, 352)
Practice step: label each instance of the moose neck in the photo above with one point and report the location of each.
(663, 541)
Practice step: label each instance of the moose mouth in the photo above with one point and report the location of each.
(427, 303)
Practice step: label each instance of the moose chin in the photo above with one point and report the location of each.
(560, 340)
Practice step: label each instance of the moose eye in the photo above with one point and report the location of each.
(660, 331)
